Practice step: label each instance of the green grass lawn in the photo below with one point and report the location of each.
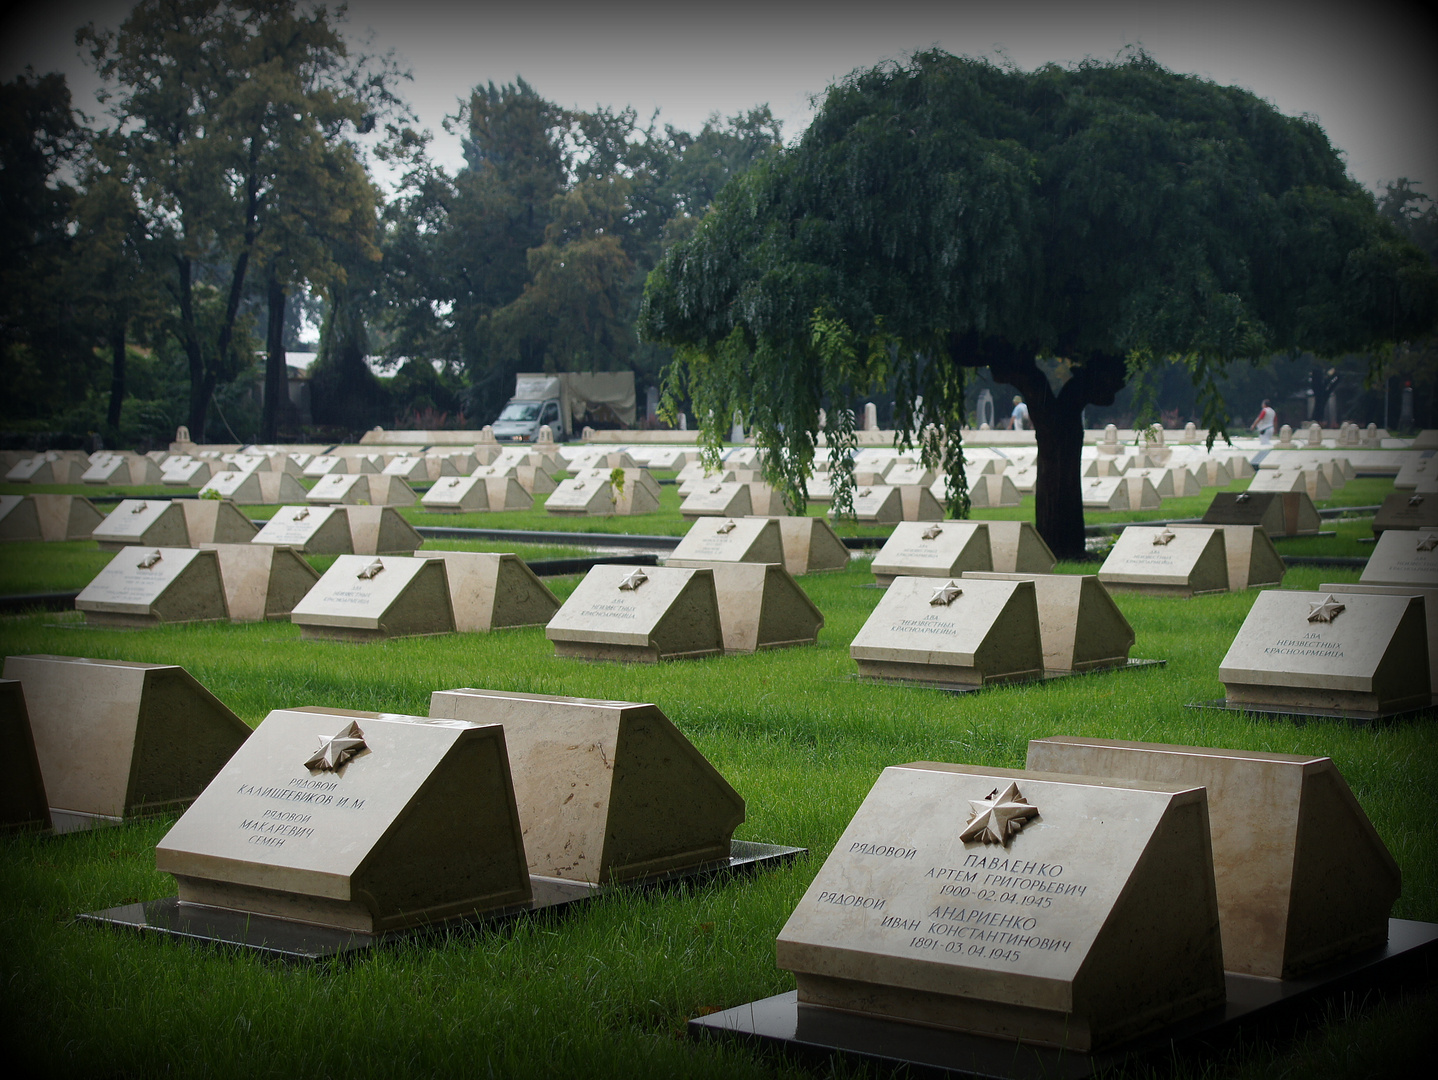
(606, 990)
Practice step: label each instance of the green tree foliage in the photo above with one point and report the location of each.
(948, 214)
(229, 121)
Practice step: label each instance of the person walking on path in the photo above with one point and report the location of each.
(1019, 419)
(1264, 424)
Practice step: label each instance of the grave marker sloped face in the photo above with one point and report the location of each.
(237, 486)
(155, 522)
(19, 519)
(877, 503)
(1285, 828)
(729, 500)
(317, 530)
(954, 632)
(491, 591)
(1081, 627)
(1430, 614)
(144, 586)
(340, 488)
(361, 821)
(457, 494)
(644, 614)
(729, 540)
(933, 549)
(187, 474)
(1407, 511)
(365, 598)
(607, 790)
(1352, 654)
(22, 788)
(1164, 561)
(116, 740)
(1030, 906)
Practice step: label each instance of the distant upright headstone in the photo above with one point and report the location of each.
(761, 606)
(1407, 512)
(368, 598)
(262, 581)
(1190, 432)
(810, 545)
(633, 613)
(1081, 627)
(379, 530)
(315, 530)
(215, 521)
(938, 549)
(1353, 654)
(1015, 547)
(1279, 916)
(1315, 435)
(22, 789)
(607, 791)
(490, 591)
(1167, 562)
(952, 632)
(729, 540)
(928, 910)
(116, 740)
(1279, 513)
(1285, 437)
(1253, 561)
(152, 522)
(361, 821)
(871, 416)
(144, 586)
(727, 500)
(1404, 557)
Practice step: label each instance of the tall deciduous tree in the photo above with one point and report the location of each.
(948, 214)
(228, 111)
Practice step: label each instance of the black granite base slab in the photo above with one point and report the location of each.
(286, 939)
(1049, 676)
(1262, 1008)
(1279, 712)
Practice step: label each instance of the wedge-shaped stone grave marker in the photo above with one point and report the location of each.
(919, 503)
(593, 493)
(1169, 481)
(154, 522)
(19, 520)
(933, 549)
(315, 530)
(369, 597)
(471, 494)
(335, 488)
(391, 491)
(953, 632)
(728, 500)
(1081, 627)
(908, 472)
(1253, 561)
(1406, 511)
(994, 490)
(22, 789)
(255, 488)
(324, 464)
(45, 470)
(1430, 615)
(1015, 547)
(879, 504)
(1403, 557)
(379, 530)
(1030, 906)
(66, 517)
(1211, 472)
(122, 470)
(216, 521)
(642, 477)
(356, 820)
(188, 473)
(1120, 493)
(646, 614)
(761, 606)
(407, 468)
(117, 740)
(145, 586)
(729, 540)
(262, 581)
(1310, 481)
(491, 591)
(810, 545)
(607, 790)
(1303, 878)
(1167, 562)
(1280, 514)
(1354, 654)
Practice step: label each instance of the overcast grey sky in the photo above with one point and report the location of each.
(1368, 71)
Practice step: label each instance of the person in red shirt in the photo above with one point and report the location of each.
(1264, 423)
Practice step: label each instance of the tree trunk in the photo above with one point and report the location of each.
(276, 379)
(117, 372)
(199, 392)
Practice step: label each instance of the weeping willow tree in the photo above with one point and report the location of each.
(1067, 228)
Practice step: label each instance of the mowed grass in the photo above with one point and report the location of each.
(606, 991)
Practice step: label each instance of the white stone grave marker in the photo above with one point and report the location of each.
(646, 614)
(145, 586)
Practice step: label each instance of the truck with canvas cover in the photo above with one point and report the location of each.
(568, 402)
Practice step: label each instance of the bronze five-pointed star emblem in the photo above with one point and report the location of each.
(337, 749)
(933, 532)
(945, 595)
(1415, 500)
(1243, 497)
(996, 819)
(1164, 538)
(303, 513)
(725, 529)
(1429, 542)
(633, 580)
(140, 507)
(1325, 610)
(865, 493)
(370, 571)
(149, 560)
